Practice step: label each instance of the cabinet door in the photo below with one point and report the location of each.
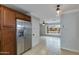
(8, 42)
(23, 17)
(20, 16)
(8, 17)
(0, 17)
(0, 27)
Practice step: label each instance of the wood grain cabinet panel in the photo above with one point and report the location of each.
(22, 16)
(0, 27)
(0, 39)
(8, 31)
(19, 15)
(8, 42)
(0, 18)
(8, 17)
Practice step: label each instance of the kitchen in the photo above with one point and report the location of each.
(18, 26)
(38, 33)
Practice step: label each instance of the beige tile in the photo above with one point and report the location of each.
(67, 52)
(49, 46)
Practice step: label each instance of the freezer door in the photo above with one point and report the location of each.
(28, 35)
(20, 46)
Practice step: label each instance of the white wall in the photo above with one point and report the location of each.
(42, 29)
(70, 32)
(35, 30)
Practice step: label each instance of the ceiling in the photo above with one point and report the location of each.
(44, 11)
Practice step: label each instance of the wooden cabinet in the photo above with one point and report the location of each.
(0, 17)
(19, 15)
(0, 27)
(22, 16)
(8, 17)
(8, 29)
(0, 39)
(8, 42)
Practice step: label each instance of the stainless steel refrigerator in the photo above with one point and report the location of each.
(24, 35)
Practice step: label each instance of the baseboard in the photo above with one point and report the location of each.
(75, 51)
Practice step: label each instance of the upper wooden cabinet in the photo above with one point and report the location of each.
(8, 17)
(22, 16)
(0, 17)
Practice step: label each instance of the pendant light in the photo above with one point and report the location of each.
(58, 10)
(43, 23)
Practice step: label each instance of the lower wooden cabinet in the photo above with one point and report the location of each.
(0, 39)
(8, 41)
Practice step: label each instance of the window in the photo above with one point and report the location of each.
(53, 28)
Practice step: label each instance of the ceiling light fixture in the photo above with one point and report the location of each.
(58, 10)
(43, 23)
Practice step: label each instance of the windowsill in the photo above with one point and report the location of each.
(51, 35)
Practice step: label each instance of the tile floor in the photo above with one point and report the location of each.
(49, 46)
